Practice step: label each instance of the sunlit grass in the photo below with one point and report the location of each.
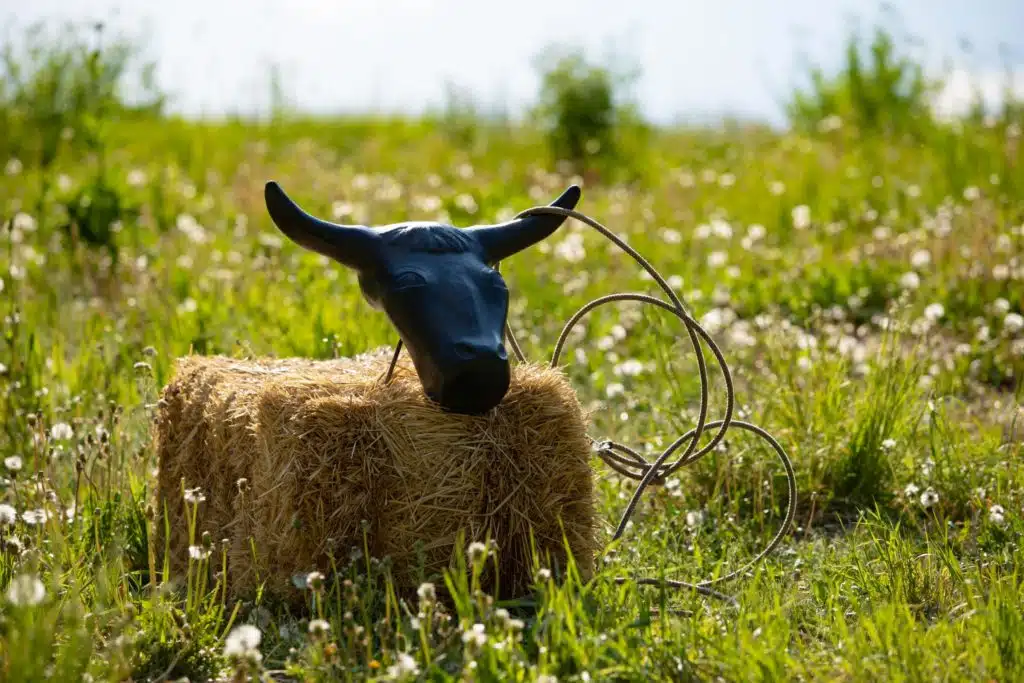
(868, 293)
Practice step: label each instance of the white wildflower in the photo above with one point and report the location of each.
(315, 581)
(934, 311)
(911, 490)
(671, 236)
(34, 517)
(629, 368)
(1013, 322)
(571, 248)
(888, 444)
(61, 431)
(243, 643)
(194, 496)
(475, 636)
(26, 591)
(614, 389)
(198, 552)
(318, 628)
(910, 280)
(8, 515)
(694, 518)
(717, 259)
(405, 666)
(996, 514)
(920, 258)
(929, 498)
(801, 217)
(427, 592)
(13, 463)
(476, 551)
(1000, 306)
(971, 193)
(136, 177)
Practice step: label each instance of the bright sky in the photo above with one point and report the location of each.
(697, 58)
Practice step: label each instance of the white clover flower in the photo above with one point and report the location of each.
(929, 498)
(8, 515)
(26, 591)
(13, 463)
(543, 574)
(888, 444)
(911, 490)
(547, 678)
(670, 236)
(694, 518)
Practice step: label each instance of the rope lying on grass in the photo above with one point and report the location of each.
(628, 462)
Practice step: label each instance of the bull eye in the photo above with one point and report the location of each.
(409, 278)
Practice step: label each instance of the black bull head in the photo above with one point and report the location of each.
(438, 286)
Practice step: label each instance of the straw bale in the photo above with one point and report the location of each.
(324, 445)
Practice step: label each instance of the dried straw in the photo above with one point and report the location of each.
(325, 445)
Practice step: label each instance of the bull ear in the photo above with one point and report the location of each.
(503, 240)
(357, 247)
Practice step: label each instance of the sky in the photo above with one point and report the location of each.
(697, 60)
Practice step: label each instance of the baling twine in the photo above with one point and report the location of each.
(628, 462)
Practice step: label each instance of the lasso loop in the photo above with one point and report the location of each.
(628, 462)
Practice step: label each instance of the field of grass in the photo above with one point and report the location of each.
(867, 291)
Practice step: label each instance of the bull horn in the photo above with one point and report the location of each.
(356, 246)
(503, 240)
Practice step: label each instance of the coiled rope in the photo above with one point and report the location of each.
(628, 462)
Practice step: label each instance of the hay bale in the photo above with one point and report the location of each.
(324, 445)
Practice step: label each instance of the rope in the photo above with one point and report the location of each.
(628, 462)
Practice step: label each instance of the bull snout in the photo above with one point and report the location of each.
(475, 379)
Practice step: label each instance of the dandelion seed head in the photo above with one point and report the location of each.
(26, 591)
(8, 515)
(319, 628)
(243, 643)
(61, 431)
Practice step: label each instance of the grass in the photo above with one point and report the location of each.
(866, 289)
